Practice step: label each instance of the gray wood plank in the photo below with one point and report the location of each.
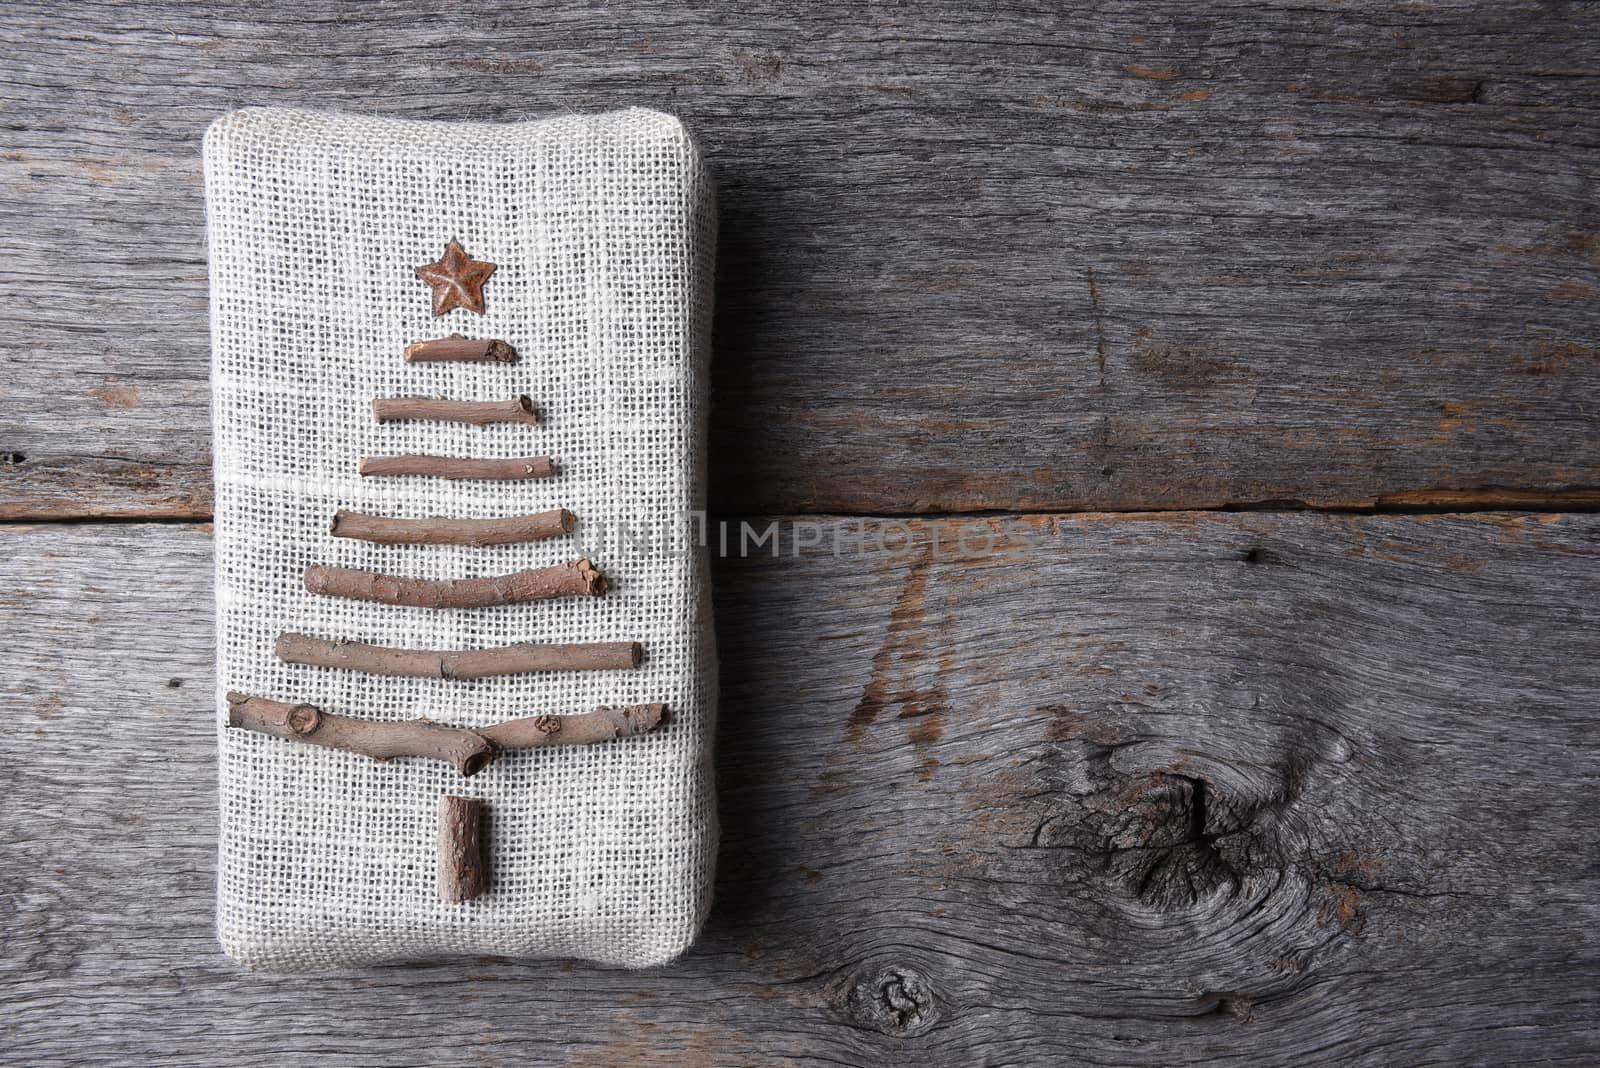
(1003, 256)
(1257, 789)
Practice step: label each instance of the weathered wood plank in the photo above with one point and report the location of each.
(1254, 789)
(1118, 255)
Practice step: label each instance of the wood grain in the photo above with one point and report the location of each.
(1117, 255)
(1248, 788)
(1253, 789)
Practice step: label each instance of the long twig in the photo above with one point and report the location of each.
(516, 410)
(579, 578)
(438, 530)
(468, 751)
(457, 664)
(500, 470)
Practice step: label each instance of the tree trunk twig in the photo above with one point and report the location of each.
(511, 468)
(468, 751)
(462, 664)
(463, 860)
(458, 349)
(578, 578)
(518, 409)
(439, 530)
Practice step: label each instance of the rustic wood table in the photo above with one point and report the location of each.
(1220, 380)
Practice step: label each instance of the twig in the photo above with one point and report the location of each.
(516, 467)
(518, 409)
(463, 664)
(458, 349)
(463, 861)
(468, 751)
(438, 530)
(601, 725)
(579, 578)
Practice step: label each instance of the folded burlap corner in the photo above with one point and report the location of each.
(602, 230)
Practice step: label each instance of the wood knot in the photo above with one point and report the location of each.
(479, 758)
(1229, 1003)
(303, 719)
(1164, 838)
(896, 1001)
(594, 581)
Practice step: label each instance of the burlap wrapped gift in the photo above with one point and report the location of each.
(603, 232)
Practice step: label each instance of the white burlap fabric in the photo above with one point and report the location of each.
(602, 227)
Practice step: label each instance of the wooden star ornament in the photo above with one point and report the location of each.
(457, 279)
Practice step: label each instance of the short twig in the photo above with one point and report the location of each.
(516, 410)
(458, 349)
(511, 468)
(438, 530)
(579, 578)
